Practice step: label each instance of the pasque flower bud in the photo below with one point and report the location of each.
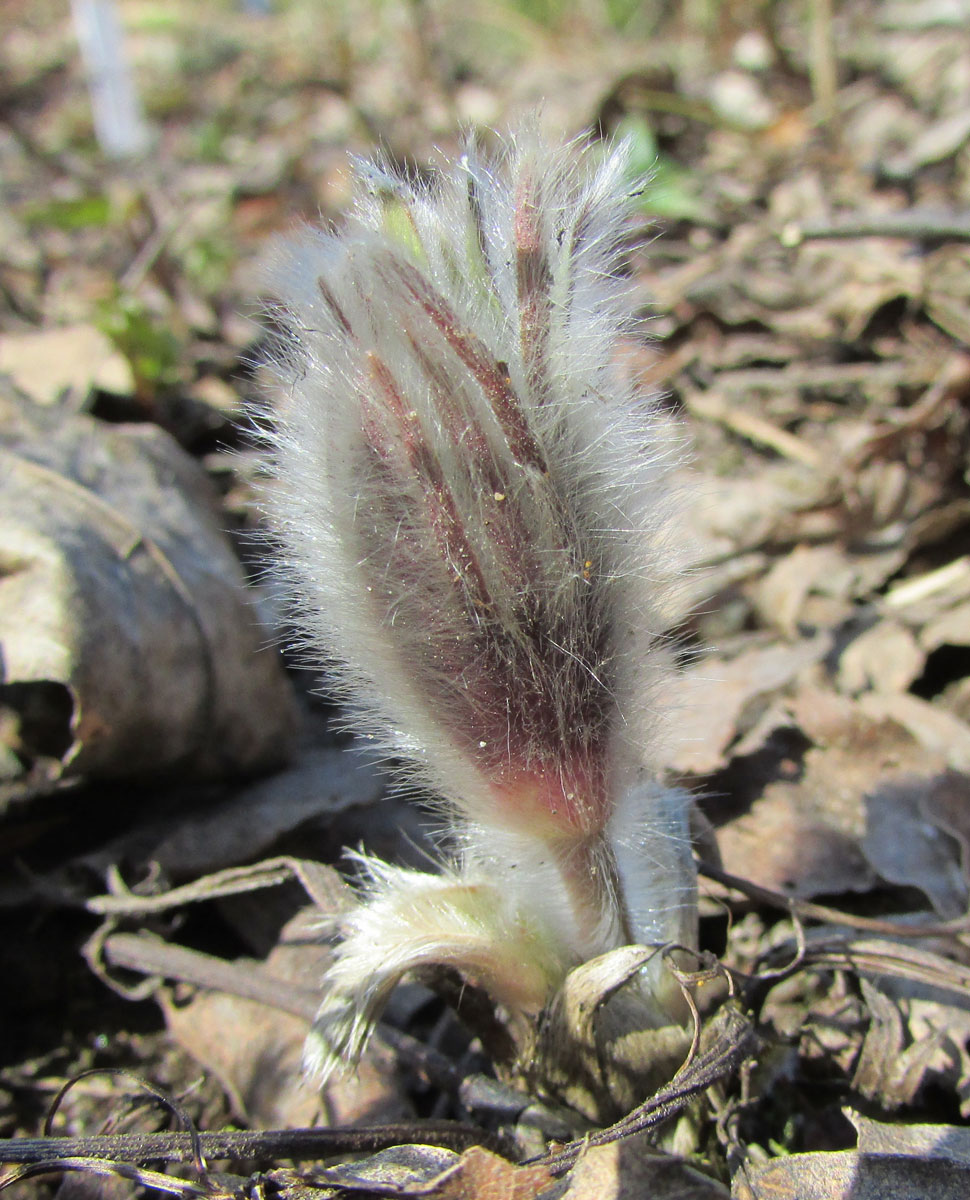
(474, 509)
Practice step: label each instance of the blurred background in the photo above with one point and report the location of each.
(221, 123)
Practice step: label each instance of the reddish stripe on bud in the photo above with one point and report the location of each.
(442, 511)
(533, 277)
(492, 377)
(457, 418)
(330, 300)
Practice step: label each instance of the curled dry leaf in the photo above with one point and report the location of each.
(885, 657)
(937, 1023)
(947, 302)
(888, 1070)
(128, 643)
(780, 596)
(598, 1049)
(936, 730)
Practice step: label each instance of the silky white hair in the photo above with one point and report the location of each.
(474, 507)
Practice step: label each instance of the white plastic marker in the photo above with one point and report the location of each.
(475, 512)
(119, 121)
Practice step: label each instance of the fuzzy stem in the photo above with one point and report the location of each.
(592, 879)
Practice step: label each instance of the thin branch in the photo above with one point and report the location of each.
(249, 1144)
(733, 1040)
(915, 224)
(149, 955)
(832, 916)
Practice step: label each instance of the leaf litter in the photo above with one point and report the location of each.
(810, 310)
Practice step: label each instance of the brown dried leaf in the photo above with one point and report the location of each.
(884, 658)
(904, 848)
(825, 717)
(324, 781)
(850, 1175)
(950, 629)
(436, 1174)
(838, 825)
(893, 1015)
(48, 362)
(947, 299)
(718, 698)
(633, 1169)
(408, 1170)
(946, 804)
(937, 731)
(745, 513)
(259, 1062)
(254, 1052)
(481, 1175)
(817, 290)
(782, 843)
(939, 140)
(599, 1049)
(129, 641)
(923, 599)
(887, 1070)
(780, 596)
(938, 1018)
(928, 1141)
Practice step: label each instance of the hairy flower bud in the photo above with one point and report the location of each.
(473, 504)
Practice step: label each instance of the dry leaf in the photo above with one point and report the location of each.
(947, 302)
(887, 1070)
(599, 1049)
(129, 642)
(884, 658)
(322, 782)
(48, 362)
(946, 805)
(780, 595)
(409, 1170)
(928, 1141)
(951, 628)
(849, 1175)
(936, 730)
(717, 699)
(256, 1051)
(735, 515)
(434, 1173)
(481, 1175)
(782, 843)
(852, 813)
(633, 1169)
(905, 848)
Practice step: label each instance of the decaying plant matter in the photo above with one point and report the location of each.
(475, 513)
